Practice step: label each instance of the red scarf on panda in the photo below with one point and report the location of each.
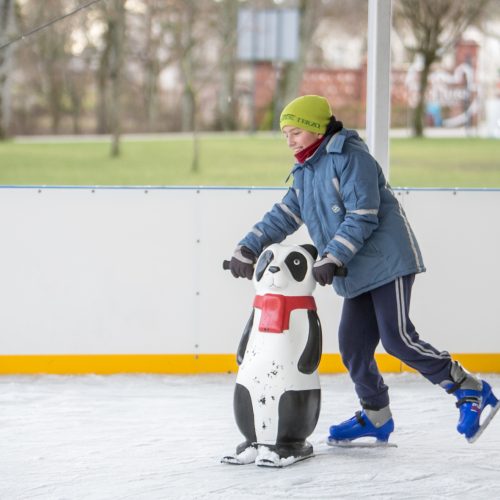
(276, 309)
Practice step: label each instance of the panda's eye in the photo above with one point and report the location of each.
(297, 264)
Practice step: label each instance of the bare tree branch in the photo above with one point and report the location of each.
(433, 26)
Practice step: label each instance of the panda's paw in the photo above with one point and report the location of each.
(246, 453)
(283, 455)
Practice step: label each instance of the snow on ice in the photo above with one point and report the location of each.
(162, 437)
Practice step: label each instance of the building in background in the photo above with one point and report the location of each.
(453, 96)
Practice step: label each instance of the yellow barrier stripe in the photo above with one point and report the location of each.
(105, 364)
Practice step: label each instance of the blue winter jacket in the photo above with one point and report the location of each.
(351, 213)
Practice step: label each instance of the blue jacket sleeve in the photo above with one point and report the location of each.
(283, 219)
(359, 188)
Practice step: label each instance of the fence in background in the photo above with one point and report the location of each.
(129, 279)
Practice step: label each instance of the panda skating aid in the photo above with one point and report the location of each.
(277, 395)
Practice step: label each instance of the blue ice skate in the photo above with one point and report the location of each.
(471, 404)
(360, 426)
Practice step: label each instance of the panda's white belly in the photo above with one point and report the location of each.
(269, 369)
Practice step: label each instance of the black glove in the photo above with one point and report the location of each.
(324, 270)
(242, 263)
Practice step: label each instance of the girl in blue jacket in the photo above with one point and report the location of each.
(340, 193)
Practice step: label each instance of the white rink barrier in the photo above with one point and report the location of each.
(130, 279)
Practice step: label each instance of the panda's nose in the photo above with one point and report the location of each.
(273, 269)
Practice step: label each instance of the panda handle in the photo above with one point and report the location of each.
(339, 271)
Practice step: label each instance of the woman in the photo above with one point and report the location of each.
(340, 193)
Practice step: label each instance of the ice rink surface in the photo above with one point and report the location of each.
(161, 437)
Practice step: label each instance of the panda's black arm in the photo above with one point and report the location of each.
(310, 358)
(244, 339)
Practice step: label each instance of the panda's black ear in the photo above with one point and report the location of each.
(311, 249)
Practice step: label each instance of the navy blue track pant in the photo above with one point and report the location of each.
(382, 315)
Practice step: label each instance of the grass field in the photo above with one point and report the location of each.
(235, 160)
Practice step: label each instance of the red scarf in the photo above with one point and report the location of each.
(303, 155)
(276, 309)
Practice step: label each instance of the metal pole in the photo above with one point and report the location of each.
(378, 96)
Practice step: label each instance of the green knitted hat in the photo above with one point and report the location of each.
(309, 112)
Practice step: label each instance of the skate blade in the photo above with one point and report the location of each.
(231, 460)
(280, 462)
(360, 444)
(487, 420)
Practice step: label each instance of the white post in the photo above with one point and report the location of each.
(378, 96)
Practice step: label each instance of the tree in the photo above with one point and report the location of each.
(77, 77)
(435, 26)
(147, 48)
(102, 79)
(110, 73)
(191, 28)
(289, 74)
(318, 20)
(309, 15)
(7, 29)
(116, 30)
(228, 22)
(50, 53)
